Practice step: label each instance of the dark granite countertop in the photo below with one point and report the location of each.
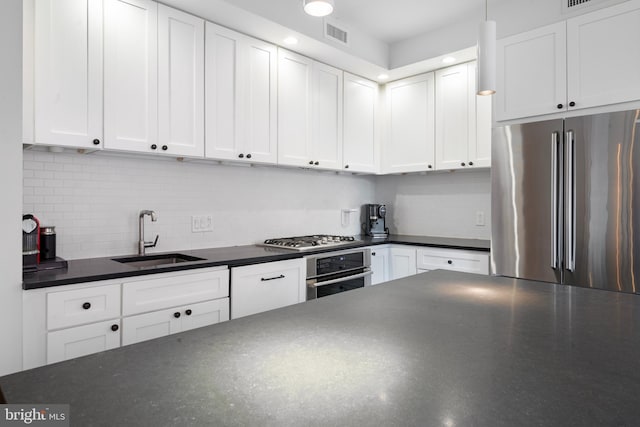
(436, 349)
(94, 269)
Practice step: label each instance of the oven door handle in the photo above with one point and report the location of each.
(316, 284)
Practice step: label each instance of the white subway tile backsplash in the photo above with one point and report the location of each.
(94, 200)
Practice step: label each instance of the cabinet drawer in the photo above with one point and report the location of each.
(170, 321)
(79, 306)
(157, 294)
(263, 287)
(82, 340)
(453, 259)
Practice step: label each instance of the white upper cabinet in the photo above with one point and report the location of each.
(409, 146)
(531, 73)
(579, 63)
(326, 138)
(180, 83)
(241, 104)
(294, 109)
(68, 73)
(453, 110)
(259, 71)
(603, 61)
(481, 122)
(309, 112)
(131, 75)
(360, 112)
(463, 120)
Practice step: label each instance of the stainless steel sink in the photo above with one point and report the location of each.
(149, 261)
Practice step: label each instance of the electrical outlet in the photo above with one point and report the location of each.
(480, 219)
(201, 223)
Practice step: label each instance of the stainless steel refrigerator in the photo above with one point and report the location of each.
(566, 201)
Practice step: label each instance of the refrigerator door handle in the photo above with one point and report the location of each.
(570, 218)
(554, 200)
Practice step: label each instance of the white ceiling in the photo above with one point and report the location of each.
(388, 21)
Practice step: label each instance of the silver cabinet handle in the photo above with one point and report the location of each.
(262, 279)
(316, 284)
(570, 194)
(554, 200)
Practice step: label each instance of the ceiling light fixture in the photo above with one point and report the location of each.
(318, 7)
(487, 55)
(383, 77)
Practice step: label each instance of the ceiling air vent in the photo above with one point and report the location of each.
(573, 3)
(335, 33)
(569, 6)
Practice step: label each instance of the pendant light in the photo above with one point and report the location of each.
(318, 7)
(487, 55)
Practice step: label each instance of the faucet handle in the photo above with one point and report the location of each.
(152, 245)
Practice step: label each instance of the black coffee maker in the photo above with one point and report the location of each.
(374, 220)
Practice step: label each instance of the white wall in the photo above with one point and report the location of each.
(10, 188)
(94, 200)
(437, 204)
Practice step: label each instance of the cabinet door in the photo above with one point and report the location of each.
(204, 314)
(327, 116)
(410, 113)
(180, 82)
(294, 109)
(80, 341)
(379, 265)
(602, 68)
(360, 116)
(263, 287)
(532, 73)
(258, 90)
(453, 111)
(403, 262)
(480, 123)
(150, 325)
(130, 75)
(68, 73)
(221, 93)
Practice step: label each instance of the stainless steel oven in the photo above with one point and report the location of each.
(334, 272)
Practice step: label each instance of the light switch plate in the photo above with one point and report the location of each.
(480, 219)
(201, 223)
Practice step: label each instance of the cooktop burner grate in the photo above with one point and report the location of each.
(301, 243)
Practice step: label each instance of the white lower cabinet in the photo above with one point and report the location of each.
(80, 341)
(403, 262)
(379, 264)
(65, 322)
(453, 259)
(392, 262)
(262, 287)
(173, 320)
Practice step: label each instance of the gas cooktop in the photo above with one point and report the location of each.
(306, 243)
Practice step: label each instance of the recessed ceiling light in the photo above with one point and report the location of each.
(448, 59)
(383, 77)
(290, 40)
(318, 7)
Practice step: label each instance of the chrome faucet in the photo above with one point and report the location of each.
(142, 245)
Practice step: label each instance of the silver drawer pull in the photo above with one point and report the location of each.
(272, 278)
